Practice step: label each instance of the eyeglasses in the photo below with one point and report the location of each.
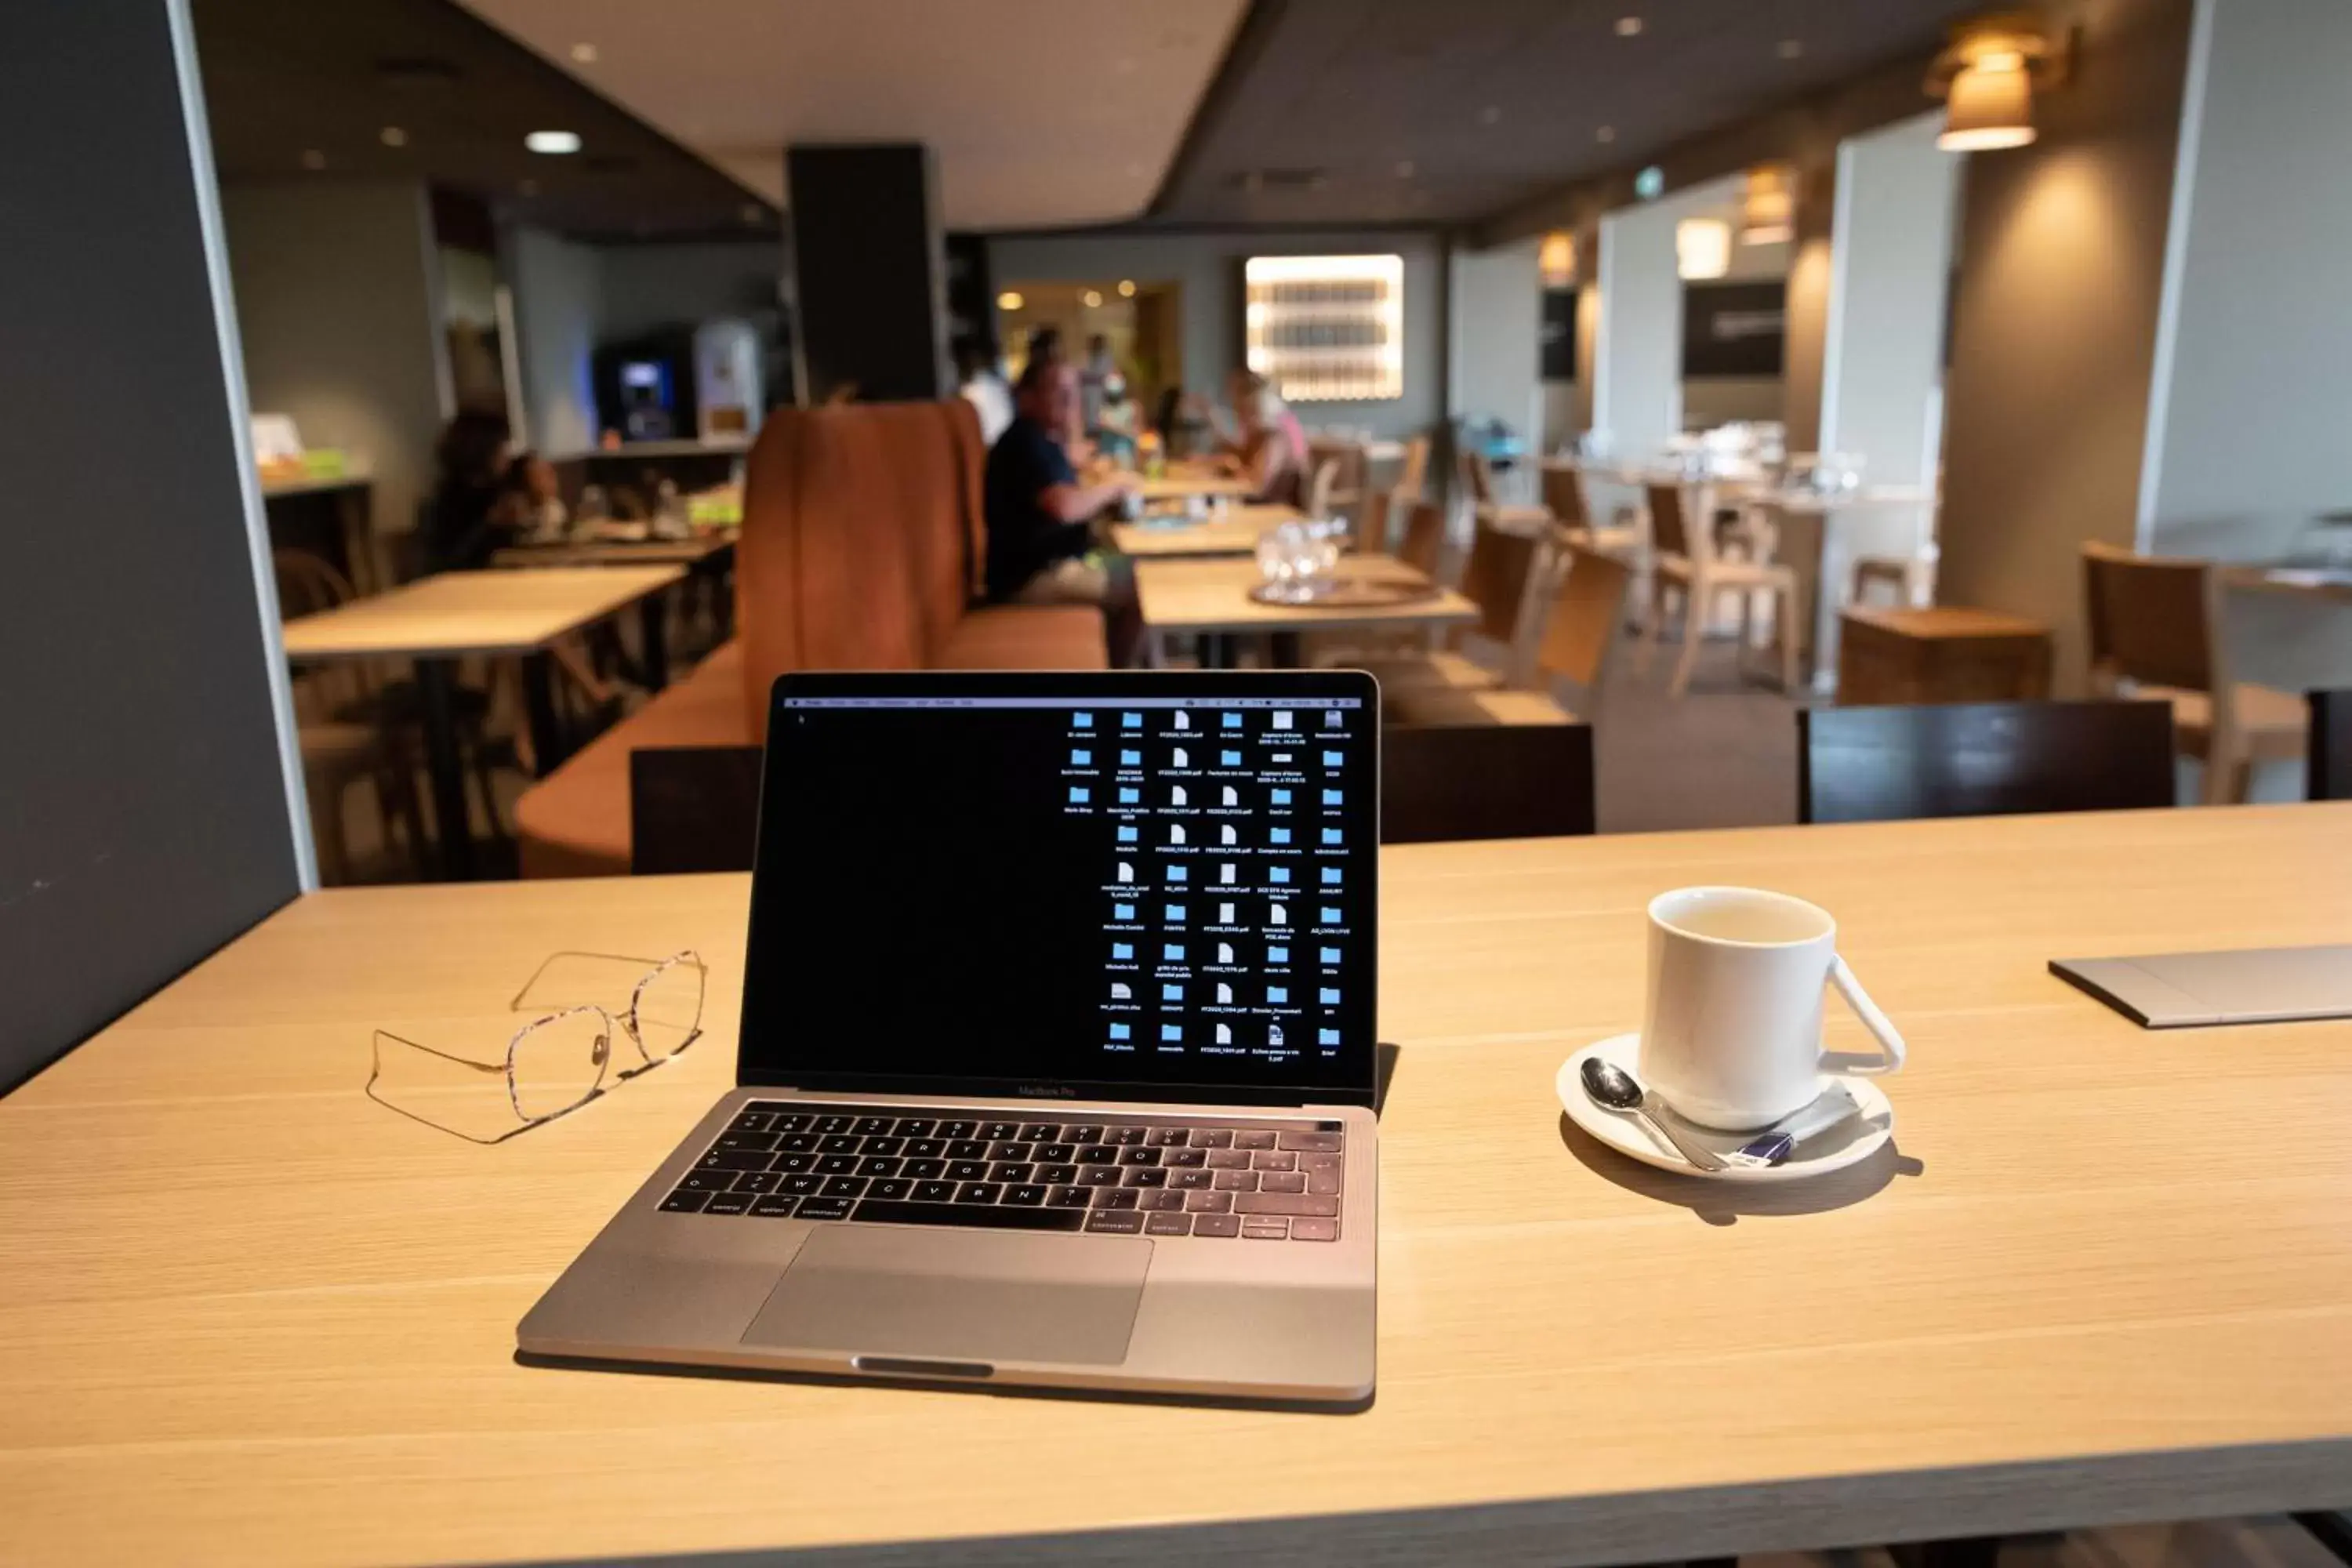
(562, 1059)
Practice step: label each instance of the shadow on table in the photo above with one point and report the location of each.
(1723, 1203)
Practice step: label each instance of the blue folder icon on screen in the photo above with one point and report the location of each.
(1330, 798)
(1229, 759)
(1232, 721)
(1119, 1031)
(1280, 797)
(1277, 992)
(1330, 835)
(1177, 873)
(1329, 997)
(1130, 721)
(1083, 721)
(1330, 876)
(1173, 952)
(1175, 911)
(1278, 874)
(1330, 759)
(1330, 955)
(1130, 758)
(1122, 911)
(1081, 757)
(1127, 834)
(1129, 797)
(1279, 835)
(1278, 955)
(1330, 915)
(1327, 1037)
(1122, 949)
(1077, 795)
(1170, 1032)
(1171, 994)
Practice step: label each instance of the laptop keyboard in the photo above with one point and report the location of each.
(1131, 1175)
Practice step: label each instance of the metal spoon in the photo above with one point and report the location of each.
(1612, 1088)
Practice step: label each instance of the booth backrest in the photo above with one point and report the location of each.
(860, 527)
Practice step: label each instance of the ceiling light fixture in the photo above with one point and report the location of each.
(1010, 299)
(314, 159)
(1628, 26)
(1701, 248)
(1555, 259)
(1606, 134)
(583, 53)
(1091, 298)
(553, 143)
(1987, 77)
(1768, 210)
(1791, 48)
(1491, 115)
(1127, 287)
(393, 136)
(1650, 184)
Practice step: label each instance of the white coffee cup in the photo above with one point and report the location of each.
(1732, 1034)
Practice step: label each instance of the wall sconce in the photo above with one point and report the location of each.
(1987, 75)
(1555, 259)
(1768, 214)
(1701, 248)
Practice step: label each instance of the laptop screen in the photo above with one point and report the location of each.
(1110, 885)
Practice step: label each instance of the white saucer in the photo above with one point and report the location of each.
(1834, 1150)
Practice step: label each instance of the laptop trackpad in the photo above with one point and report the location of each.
(962, 1294)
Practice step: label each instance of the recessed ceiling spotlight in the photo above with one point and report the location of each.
(1491, 115)
(1009, 300)
(1791, 48)
(393, 136)
(1092, 299)
(553, 141)
(1606, 134)
(583, 53)
(1127, 287)
(1404, 168)
(314, 159)
(1628, 26)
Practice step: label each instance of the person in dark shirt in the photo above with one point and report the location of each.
(1040, 538)
(470, 517)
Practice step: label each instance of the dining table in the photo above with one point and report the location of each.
(1179, 481)
(2099, 1274)
(436, 621)
(1815, 532)
(1212, 597)
(1232, 530)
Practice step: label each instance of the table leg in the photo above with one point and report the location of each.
(654, 615)
(436, 681)
(546, 740)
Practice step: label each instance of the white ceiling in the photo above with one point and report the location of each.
(1042, 112)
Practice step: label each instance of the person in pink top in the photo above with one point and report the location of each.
(1270, 448)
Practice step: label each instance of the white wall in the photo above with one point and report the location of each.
(558, 304)
(2253, 401)
(1496, 344)
(1207, 268)
(649, 286)
(1638, 353)
(338, 313)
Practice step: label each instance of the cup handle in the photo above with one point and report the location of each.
(1890, 1040)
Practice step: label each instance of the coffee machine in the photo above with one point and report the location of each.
(645, 388)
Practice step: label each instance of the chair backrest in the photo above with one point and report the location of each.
(1424, 544)
(1495, 579)
(1981, 759)
(1587, 609)
(308, 583)
(1414, 475)
(2331, 745)
(1563, 495)
(1670, 529)
(2151, 619)
(1319, 488)
(1370, 530)
(692, 809)
(1480, 474)
(1485, 781)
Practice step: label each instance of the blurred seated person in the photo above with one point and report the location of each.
(979, 382)
(1046, 348)
(1115, 427)
(1041, 544)
(1184, 430)
(1268, 447)
(468, 518)
(531, 499)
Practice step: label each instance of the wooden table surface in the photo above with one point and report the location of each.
(455, 614)
(1234, 531)
(2330, 584)
(248, 1316)
(616, 551)
(1212, 594)
(1183, 479)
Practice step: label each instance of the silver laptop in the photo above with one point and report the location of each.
(1058, 1057)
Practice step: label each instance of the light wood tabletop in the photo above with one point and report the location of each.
(248, 1316)
(1212, 594)
(616, 551)
(1234, 531)
(2329, 585)
(1183, 479)
(455, 614)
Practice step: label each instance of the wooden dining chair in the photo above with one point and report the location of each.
(2330, 774)
(1442, 782)
(1570, 508)
(1321, 489)
(1486, 501)
(1368, 522)
(1981, 759)
(1423, 548)
(1582, 602)
(1685, 556)
(1500, 577)
(1413, 478)
(2155, 626)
